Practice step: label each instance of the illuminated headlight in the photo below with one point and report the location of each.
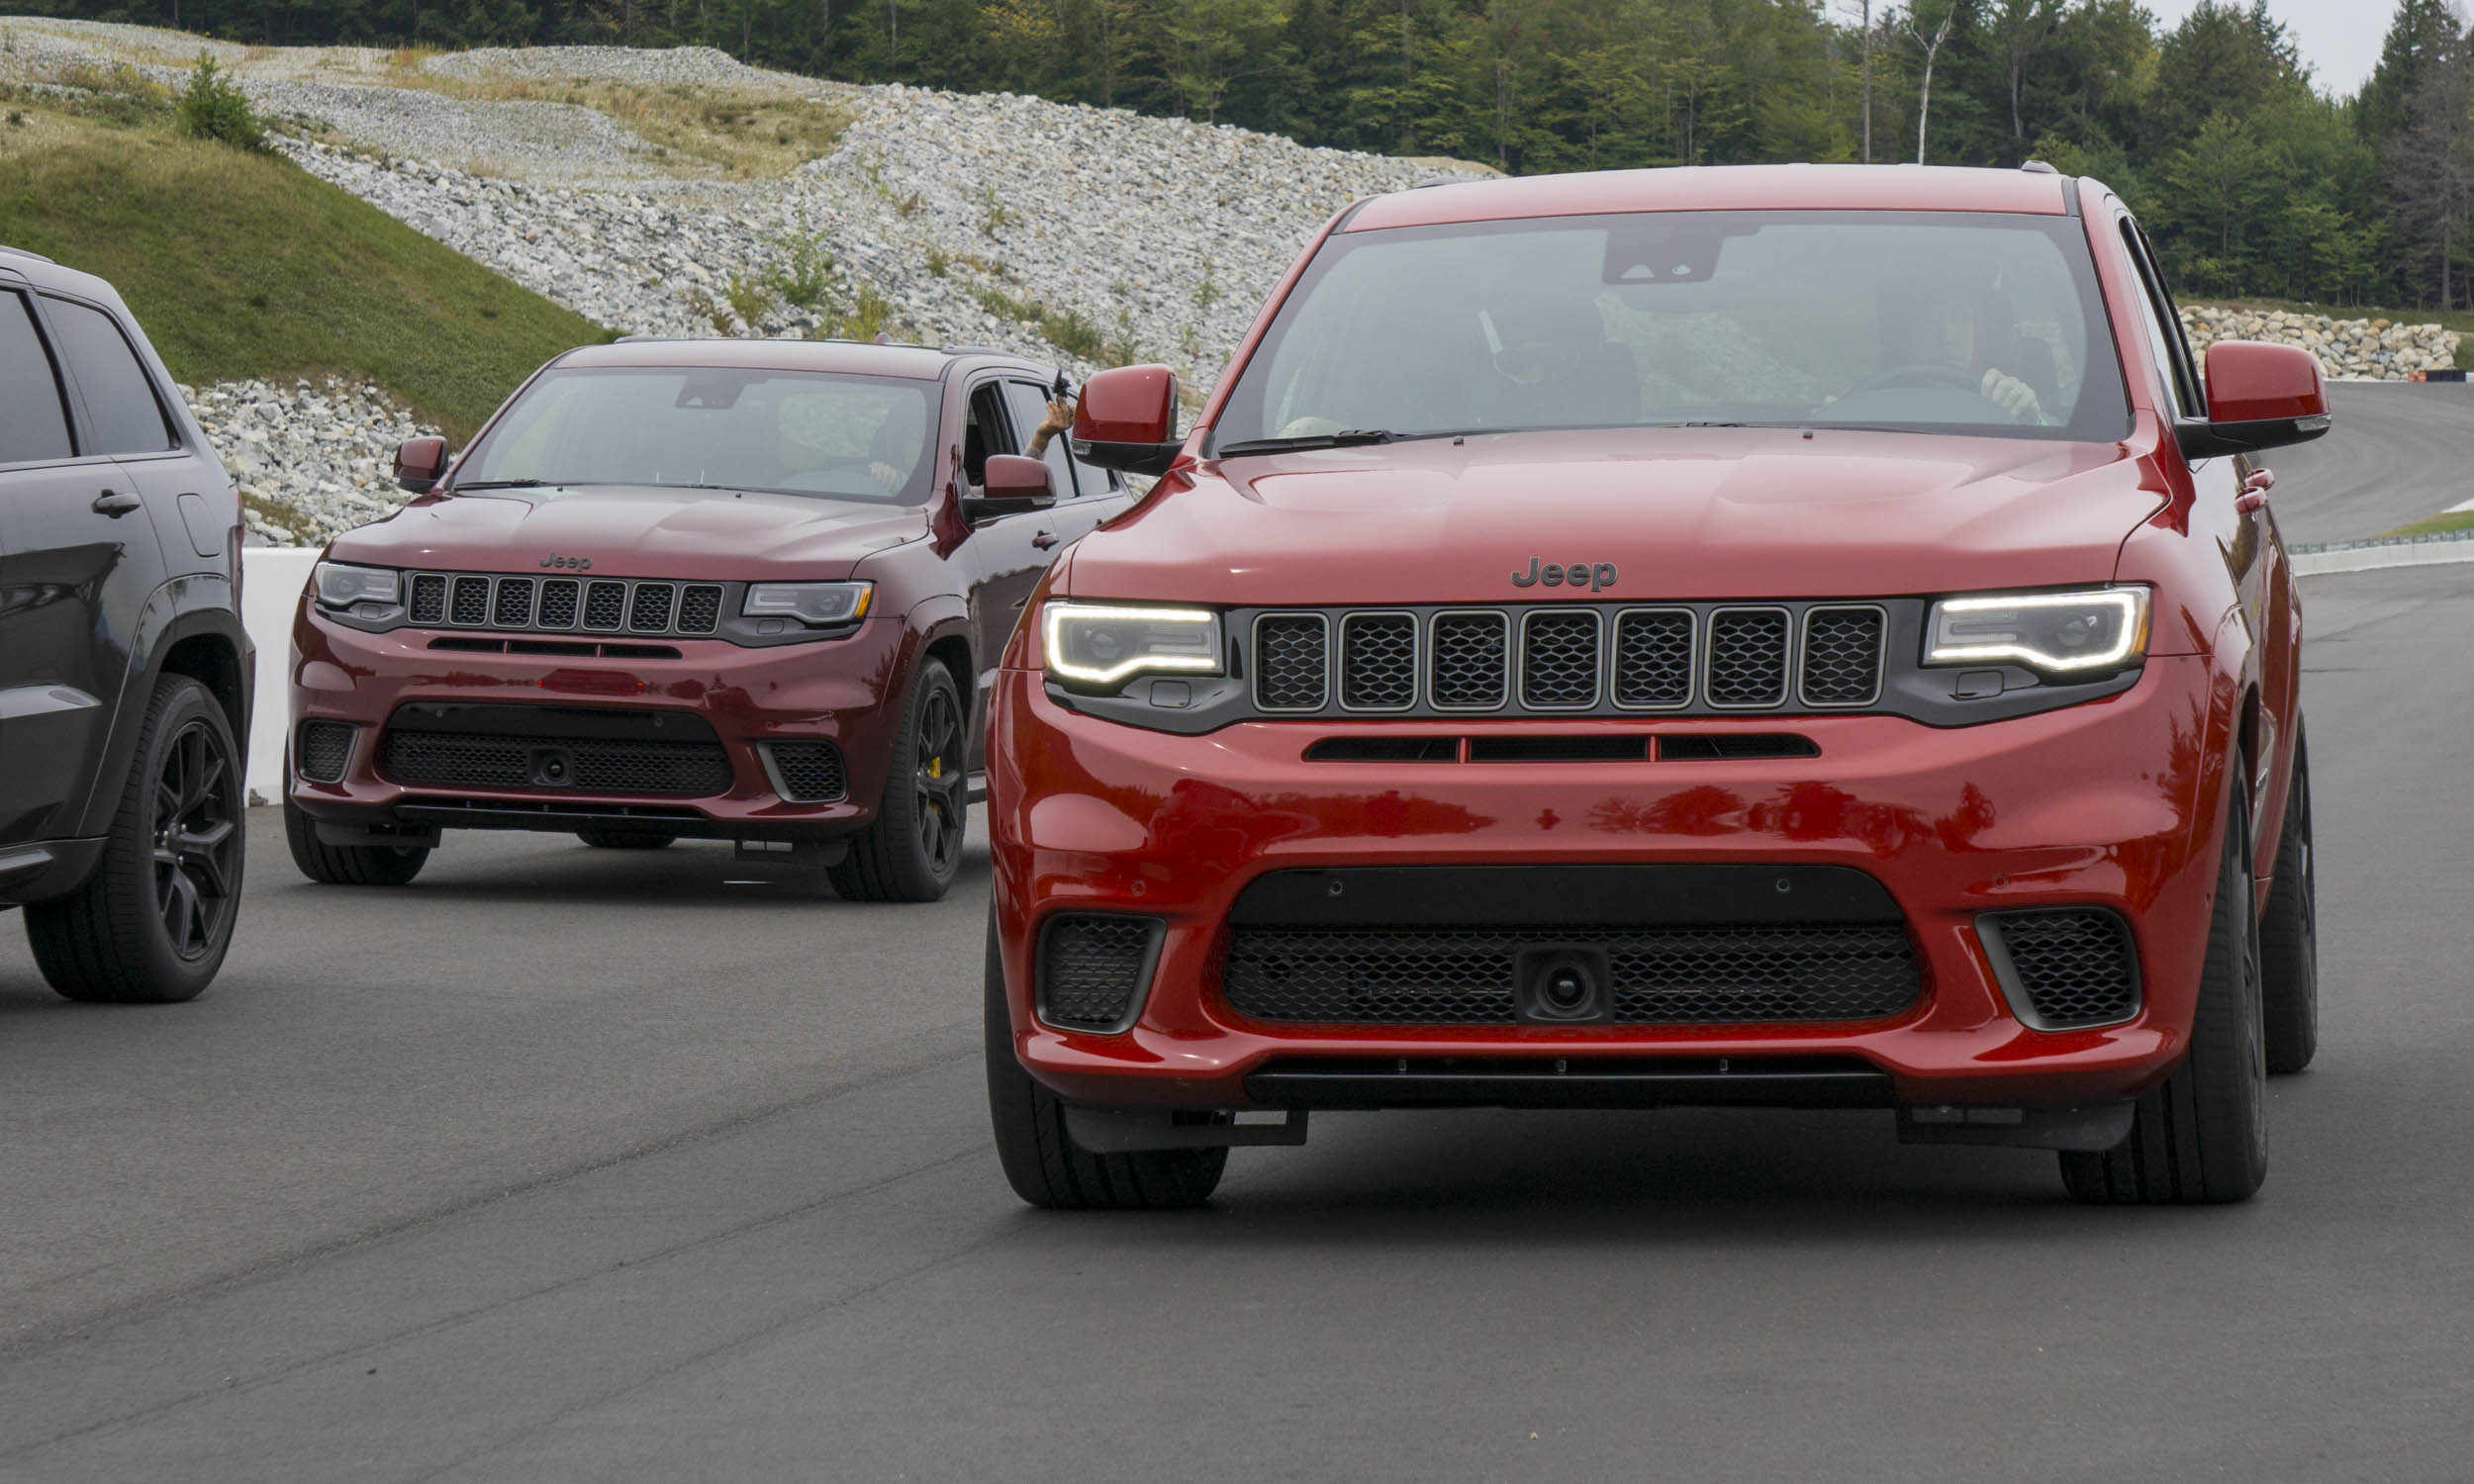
(1102, 646)
(2084, 633)
(341, 585)
(816, 604)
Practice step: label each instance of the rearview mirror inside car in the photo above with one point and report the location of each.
(1126, 419)
(420, 463)
(1011, 483)
(2259, 396)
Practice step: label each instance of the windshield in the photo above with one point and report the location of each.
(791, 433)
(1938, 321)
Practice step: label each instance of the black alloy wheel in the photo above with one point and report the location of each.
(913, 850)
(940, 779)
(197, 842)
(152, 923)
(2201, 1136)
(2289, 930)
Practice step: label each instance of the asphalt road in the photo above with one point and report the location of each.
(2396, 454)
(564, 1164)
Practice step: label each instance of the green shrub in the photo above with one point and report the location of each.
(211, 108)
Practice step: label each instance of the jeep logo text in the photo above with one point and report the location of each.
(572, 564)
(1595, 577)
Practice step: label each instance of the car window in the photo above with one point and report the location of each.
(1977, 323)
(2164, 326)
(791, 433)
(984, 430)
(120, 399)
(1028, 400)
(34, 421)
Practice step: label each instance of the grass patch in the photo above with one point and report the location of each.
(242, 264)
(2435, 525)
(749, 134)
(1068, 329)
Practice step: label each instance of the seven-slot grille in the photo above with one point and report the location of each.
(1570, 659)
(564, 605)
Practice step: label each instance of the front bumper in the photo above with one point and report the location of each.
(833, 690)
(2114, 803)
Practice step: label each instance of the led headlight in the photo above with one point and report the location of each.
(816, 604)
(339, 584)
(2074, 634)
(1104, 645)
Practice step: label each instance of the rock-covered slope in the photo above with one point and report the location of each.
(1071, 233)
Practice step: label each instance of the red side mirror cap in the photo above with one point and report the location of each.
(1014, 476)
(420, 463)
(2249, 381)
(2259, 396)
(1126, 419)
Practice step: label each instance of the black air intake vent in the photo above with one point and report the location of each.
(2065, 968)
(807, 772)
(1094, 970)
(324, 749)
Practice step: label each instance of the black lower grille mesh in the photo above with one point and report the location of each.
(684, 770)
(324, 747)
(1668, 975)
(1092, 970)
(2076, 966)
(811, 771)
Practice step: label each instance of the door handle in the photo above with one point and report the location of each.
(1044, 540)
(2254, 493)
(114, 503)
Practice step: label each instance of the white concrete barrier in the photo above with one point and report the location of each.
(271, 580)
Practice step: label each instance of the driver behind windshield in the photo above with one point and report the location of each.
(1954, 333)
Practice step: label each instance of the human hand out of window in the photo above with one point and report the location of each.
(1060, 419)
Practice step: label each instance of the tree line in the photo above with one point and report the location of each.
(2251, 180)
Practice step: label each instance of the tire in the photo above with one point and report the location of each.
(913, 850)
(153, 922)
(2201, 1136)
(2289, 931)
(610, 839)
(347, 864)
(1045, 1167)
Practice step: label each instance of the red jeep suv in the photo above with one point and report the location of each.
(746, 590)
(1789, 636)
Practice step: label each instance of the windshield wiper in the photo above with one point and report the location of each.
(502, 484)
(1346, 438)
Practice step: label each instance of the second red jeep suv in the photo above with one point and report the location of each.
(1792, 636)
(744, 590)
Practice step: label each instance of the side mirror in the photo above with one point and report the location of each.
(1013, 484)
(1126, 420)
(420, 463)
(2259, 396)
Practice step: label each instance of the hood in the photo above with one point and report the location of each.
(1679, 513)
(630, 531)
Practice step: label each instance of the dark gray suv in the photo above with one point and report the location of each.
(124, 667)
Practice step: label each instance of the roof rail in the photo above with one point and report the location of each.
(2039, 167)
(22, 252)
(983, 350)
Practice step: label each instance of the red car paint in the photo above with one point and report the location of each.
(2118, 800)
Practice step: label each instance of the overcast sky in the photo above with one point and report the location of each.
(2339, 38)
